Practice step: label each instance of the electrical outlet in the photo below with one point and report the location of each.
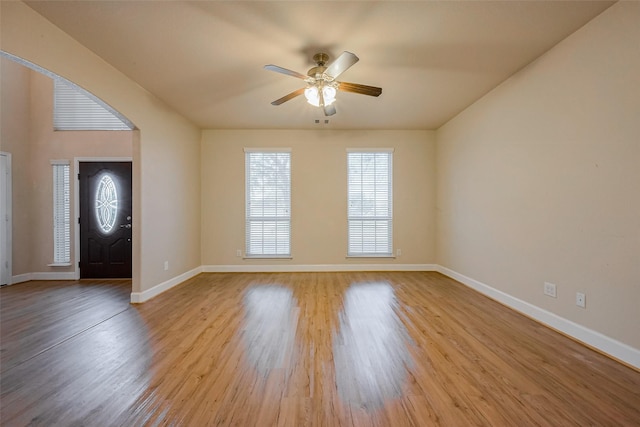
(238, 252)
(398, 252)
(166, 265)
(581, 300)
(550, 289)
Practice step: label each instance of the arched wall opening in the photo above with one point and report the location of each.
(165, 149)
(29, 136)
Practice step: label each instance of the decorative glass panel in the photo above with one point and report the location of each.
(106, 203)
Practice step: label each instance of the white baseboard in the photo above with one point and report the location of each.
(301, 268)
(603, 343)
(45, 275)
(19, 278)
(69, 275)
(140, 297)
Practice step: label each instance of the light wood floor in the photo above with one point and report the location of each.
(296, 349)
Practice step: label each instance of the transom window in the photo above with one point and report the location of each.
(268, 203)
(370, 202)
(76, 109)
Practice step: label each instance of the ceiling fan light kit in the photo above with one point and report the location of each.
(312, 93)
(322, 85)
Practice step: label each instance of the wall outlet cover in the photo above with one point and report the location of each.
(550, 289)
(581, 300)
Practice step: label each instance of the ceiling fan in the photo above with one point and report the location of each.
(322, 85)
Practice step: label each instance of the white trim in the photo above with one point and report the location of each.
(267, 257)
(8, 207)
(301, 268)
(607, 345)
(388, 256)
(44, 275)
(267, 150)
(139, 297)
(76, 201)
(20, 278)
(371, 150)
(53, 275)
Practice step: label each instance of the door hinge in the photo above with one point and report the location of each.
(78, 220)
(78, 177)
(78, 264)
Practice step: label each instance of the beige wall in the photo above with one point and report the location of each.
(540, 180)
(14, 139)
(166, 200)
(318, 189)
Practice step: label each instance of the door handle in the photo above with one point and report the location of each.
(125, 225)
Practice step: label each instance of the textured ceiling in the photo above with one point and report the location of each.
(432, 58)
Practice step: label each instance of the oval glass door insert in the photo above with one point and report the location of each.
(106, 204)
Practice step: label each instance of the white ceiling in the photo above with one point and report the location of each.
(432, 58)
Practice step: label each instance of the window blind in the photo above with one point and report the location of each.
(61, 216)
(370, 204)
(76, 109)
(268, 203)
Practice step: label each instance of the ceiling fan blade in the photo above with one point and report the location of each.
(288, 96)
(341, 64)
(329, 110)
(281, 70)
(361, 89)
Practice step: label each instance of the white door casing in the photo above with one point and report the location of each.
(5, 219)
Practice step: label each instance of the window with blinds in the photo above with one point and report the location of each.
(77, 109)
(268, 203)
(61, 215)
(370, 202)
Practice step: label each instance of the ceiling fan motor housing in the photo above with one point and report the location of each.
(320, 58)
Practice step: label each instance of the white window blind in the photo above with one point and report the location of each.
(61, 216)
(370, 202)
(268, 203)
(77, 109)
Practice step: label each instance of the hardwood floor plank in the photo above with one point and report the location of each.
(38, 315)
(303, 349)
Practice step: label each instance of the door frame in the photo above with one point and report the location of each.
(76, 196)
(8, 204)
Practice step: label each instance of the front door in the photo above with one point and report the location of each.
(105, 219)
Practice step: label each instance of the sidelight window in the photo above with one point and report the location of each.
(61, 212)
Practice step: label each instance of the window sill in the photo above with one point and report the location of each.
(60, 264)
(371, 256)
(267, 257)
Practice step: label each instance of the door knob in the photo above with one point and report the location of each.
(125, 225)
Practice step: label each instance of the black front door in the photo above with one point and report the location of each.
(105, 219)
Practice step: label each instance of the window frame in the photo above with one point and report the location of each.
(388, 253)
(278, 217)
